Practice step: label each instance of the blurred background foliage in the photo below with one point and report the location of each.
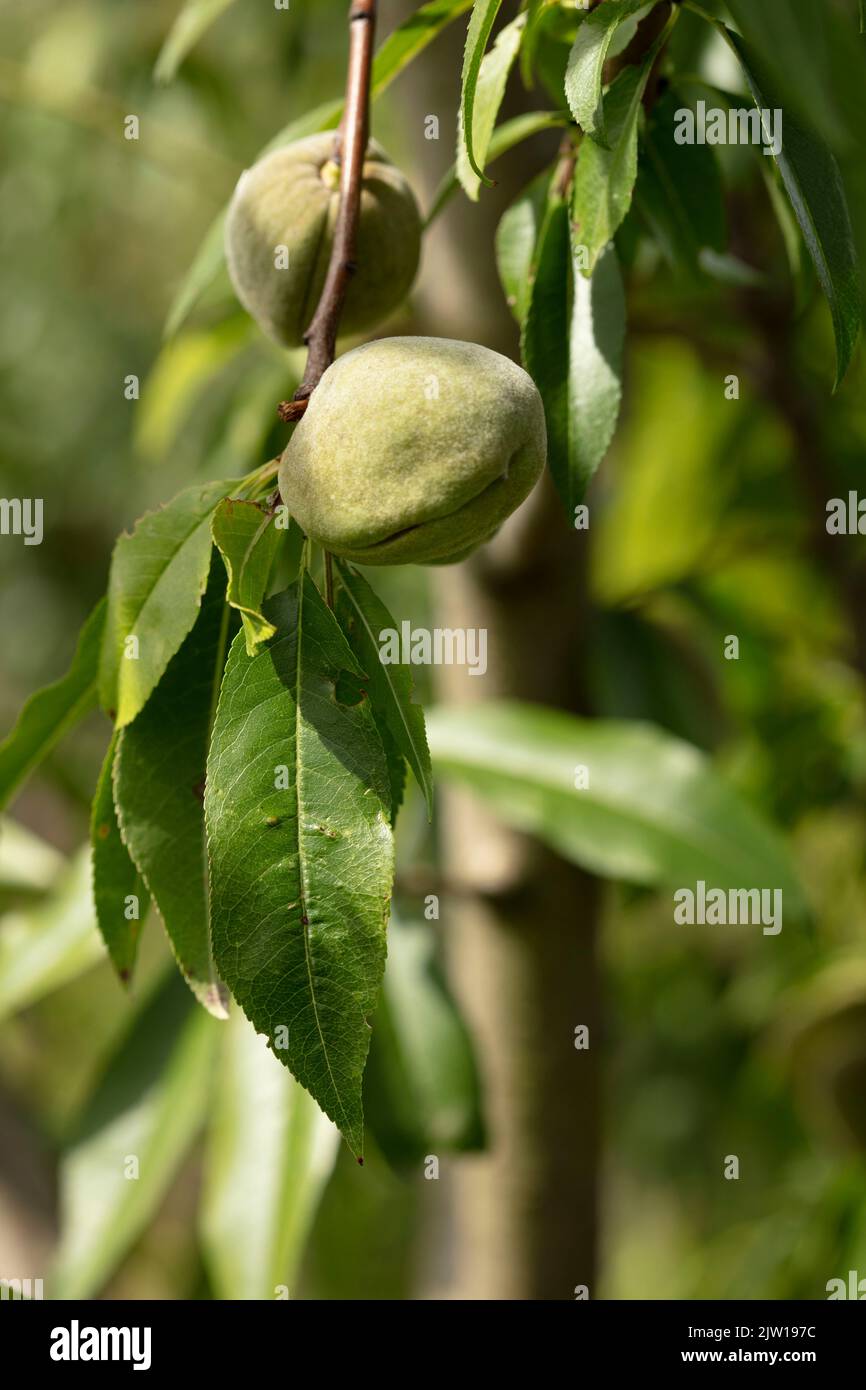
(707, 519)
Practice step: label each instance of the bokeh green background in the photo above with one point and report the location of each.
(708, 521)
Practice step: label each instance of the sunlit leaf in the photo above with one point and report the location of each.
(492, 80)
(117, 886)
(195, 19)
(270, 1153)
(516, 240)
(572, 344)
(158, 575)
(545, 338)
(605, 177)
(48, 945)
(422, 1089)
(583, 78)
(246, 537)
(131, 1137)
(159, 776)
(596, 343)
(28, 864)
(301, 853)
(53, 711)
(652, 810)
(481, 22)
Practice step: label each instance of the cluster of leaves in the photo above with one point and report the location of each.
(252, 778)
(260, 749)
(620, 174)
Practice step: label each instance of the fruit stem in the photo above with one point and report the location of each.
(350, 148)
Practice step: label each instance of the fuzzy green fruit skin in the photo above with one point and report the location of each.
(414, 451)
(290, 198)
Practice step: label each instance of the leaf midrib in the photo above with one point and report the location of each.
(302, 868)
(611, 804)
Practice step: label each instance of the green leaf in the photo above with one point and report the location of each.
(596, 346)
(53, 711)
(535, 16)
(679, 190)
(654, 812)
(270, 1153)
(481, 22)
(159, 777)
(248, 541)
(395, 763)
(814, 185)
(115, 878)
(422, 1089)
(390, 686)
(208, 262)
(492, 79)
(504, 138)
(584, 74)
(516, 240)
(396, 52)
(572, 343)
(573, 338)
(147, 1107)
(46, 946)
(158, 575)
(545, 339)
(301, 850)
(795, 41)
(28, 864)
(604, 178)
(194, 19)
(411, 38)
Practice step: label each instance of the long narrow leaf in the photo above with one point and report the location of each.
(490, 90)
(270, 1153)
(814, 185)
(158, 576)
(195, 19)
(43, 948)
(605, 177)
(301, 852)
(52, 712)
(159, 777)
(389, 685)
(583, 76)
(131, 1138)
(623, 799)
(119, 897)
(596, 342)
(481, 22)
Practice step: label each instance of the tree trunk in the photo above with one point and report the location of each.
(518, 1221)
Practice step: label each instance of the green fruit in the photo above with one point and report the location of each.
(289, 200)
(413, 451)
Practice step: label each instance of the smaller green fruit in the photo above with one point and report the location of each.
(413, 451)
(289, 200)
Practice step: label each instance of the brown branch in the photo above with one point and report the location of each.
(350, 148)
